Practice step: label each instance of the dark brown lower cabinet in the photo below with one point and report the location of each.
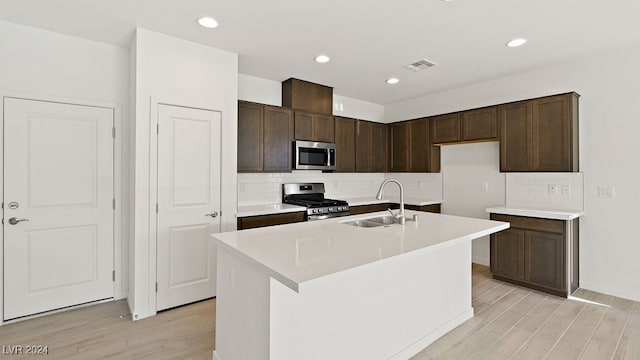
(250, 222)
(537, 253)
(363, 209)
(434, 208)
(507, 253)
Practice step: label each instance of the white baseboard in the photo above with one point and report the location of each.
(422, 343)
(610, 291)
(480, 260)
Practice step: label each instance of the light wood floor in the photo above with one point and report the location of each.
(105, 331)
(516, 323)
(510, 323)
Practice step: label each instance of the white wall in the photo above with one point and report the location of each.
(177, 72)
(251, 88)
(41, 64)
(464, 169)
(358, 109)
(264, 91)
(609, 124)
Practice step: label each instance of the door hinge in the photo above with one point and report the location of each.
(113, 132)
(114, 203)
(157, 207)
(156, 287)
(113, 276)
(158, 129)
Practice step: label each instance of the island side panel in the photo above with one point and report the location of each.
(242, 310)
(390, 310)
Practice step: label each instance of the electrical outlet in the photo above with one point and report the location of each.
(553, 189)
(606, 191)
(566, 190)
(484, 187)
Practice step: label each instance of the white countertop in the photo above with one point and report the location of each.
(303, 255)
(537, 213)
(266, 209)
(357, 201)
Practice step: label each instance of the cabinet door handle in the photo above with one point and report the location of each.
(212, 214)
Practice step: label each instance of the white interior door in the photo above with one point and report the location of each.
(188, 204)
(58, 213)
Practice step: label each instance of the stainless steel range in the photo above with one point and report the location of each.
(311, 195)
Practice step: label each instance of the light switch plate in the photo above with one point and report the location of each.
(484, 187)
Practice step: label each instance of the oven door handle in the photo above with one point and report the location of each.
(318, 217)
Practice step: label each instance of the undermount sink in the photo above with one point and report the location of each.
(372, 222)
(386, 220)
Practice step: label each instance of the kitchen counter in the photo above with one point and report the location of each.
(358, 201)
(537, 213)
(266, 209)
(328, 290)
(304, 255)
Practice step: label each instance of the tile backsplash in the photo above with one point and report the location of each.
(266, 188)
(532, 190)
(427, 186)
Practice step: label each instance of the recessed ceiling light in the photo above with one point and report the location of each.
(393, 81)
(208, 22)
(516, 42)
(322, 58)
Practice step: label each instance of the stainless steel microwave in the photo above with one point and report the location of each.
(309, 155)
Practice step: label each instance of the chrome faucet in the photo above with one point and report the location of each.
(400, 215)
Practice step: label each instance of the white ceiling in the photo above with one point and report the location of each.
(368, 40)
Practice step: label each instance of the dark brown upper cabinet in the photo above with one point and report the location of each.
(479, 124)
(250, 137)
(418, 145)
(398, 157)
(265, 135)
(410, 148)
(445, 128)
(307, 96)
(278, 137)
(371, 146)
(467, 126)
(378, 158)
(314, 127)
(540, 134)
(345, 133)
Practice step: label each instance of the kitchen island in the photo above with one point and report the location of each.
(330, 290)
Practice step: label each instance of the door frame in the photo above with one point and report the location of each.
(153, 192)
(118, 243)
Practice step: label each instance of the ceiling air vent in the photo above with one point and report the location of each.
(420, 65)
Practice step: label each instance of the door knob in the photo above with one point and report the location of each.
(14, 221)
(212, 214)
